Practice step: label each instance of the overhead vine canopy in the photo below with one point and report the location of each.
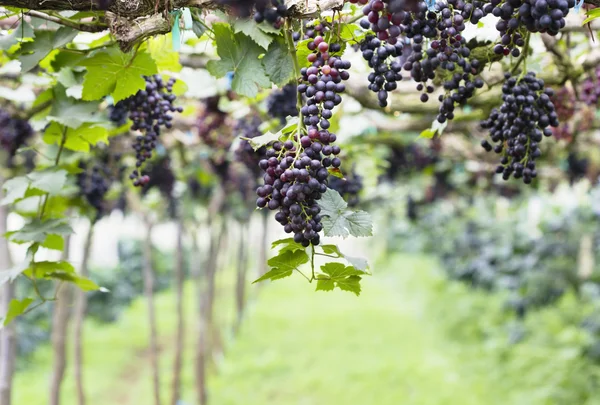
(106, 68)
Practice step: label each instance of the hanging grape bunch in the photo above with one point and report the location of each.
(239, 8)
(564, 103)
(282, 103)
(118, 113)
(215, 131)
(248, 127)
(349, 187)
(296, 170)
(590, 88)
(94, 182)
(14, 133)
(518, 126)
(273, 13)
(149, 110)
(161, 177)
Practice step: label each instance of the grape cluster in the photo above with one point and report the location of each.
(349, 187)
(381, 57)
(273, 13)
(282, 103)
(149, 110)
(14, 133)
(577, 167)
(118, 113)
(215, 130)
(564, 103)
(94, 183)
(248, 127)
(161, 176)
(239, 8)
(590, 89)
(518, 126)
(296, 169)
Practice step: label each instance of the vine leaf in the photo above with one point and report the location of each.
(267, 138)
(346, 278)
(358, 263)
(45, 42)
(71, 112)
(61, 270)
(161, 51)
(15, 189)
(284, 264)
(79, 139)
(24, 31)
(278, 63)
(12, 273)
(240, 55)
(116, 73)
(49, 181)
(287, 244)
(339, 221)
(15, 308)
(302, 52)
(250, 28)
(38, 230)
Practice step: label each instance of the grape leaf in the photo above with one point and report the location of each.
(352, 32)
(15, 271)
(240, 55)
(79, 139)
(24, 31)
(54, 242)
(346, 278)
(278, 63)
(592, 15)
(339, 221)
(116, 73)
(335, 172)
(40, 269)
(15, 308)
(15, 189)
(71, 112)
(161, 50)
(44, 43)
(38, 230)
(302, 53)
(359, 263)
(287, 244)
(284, 264)
(250, 28)
(260, 141)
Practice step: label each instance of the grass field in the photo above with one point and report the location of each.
(408, 339)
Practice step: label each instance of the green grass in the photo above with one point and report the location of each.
(411, 338)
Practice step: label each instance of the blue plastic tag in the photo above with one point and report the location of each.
(187, 19)
(430, 5)
(578, 4)
(176, 33)
(229, 78)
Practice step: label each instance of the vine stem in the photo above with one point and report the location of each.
(292, 49)
(56, 160)
(312, 262)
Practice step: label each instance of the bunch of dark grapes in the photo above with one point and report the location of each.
(381, 57)
(239, 8)
(149, 110)
(590, 89)
(273, 13)
(94, 182)
(161, 176)
(518, 126)
(564, 103)
(118, 113)
(349, 187)
(215, 131)
(282, 103)
(547, 16)
(14, 133)
(577, 167)
(296, 170)
(248, 127)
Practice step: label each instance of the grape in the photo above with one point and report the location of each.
(282, 103)
(273, 14)
(240, 8)
(118, 113)
(349, 187)
(564, 102)
(149, 111)
(590, 90)
(94, 183)
(248, 127)
(14, 133)
(518, 126)
(295, 171)
(577, 167)
(159, 174)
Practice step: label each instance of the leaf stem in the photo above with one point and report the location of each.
(312, 262)
(304, 275)
(56, 160)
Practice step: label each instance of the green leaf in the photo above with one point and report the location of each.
(15, 189)
(302, 52)
(72, 112)
(198, 28)
(15, 308)
(45, 41)
(346, 278)
(592, 15)
(335, 172)
(22, 32)
(50, 180)
(79, 139)
(12, 273)
(284, 264)
(38, 230)
(161, 50)
(240, 55)
(339, 221)
(117, 73)
(83, 283)
(352, 32)
(427, 133)
(278, 63)
(359, 263)
(260, 141)
(42, 269)
(287, 244)
(54, 242)
(66, 77)
(250, 28)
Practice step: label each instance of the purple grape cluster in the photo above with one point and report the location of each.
(273, 13)
(518, 126)
(349, 187)
(296, 169)
(14, 133)
(282, 103)
(248, 127)
(590, 88)
(149, 110)
(118, 113)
